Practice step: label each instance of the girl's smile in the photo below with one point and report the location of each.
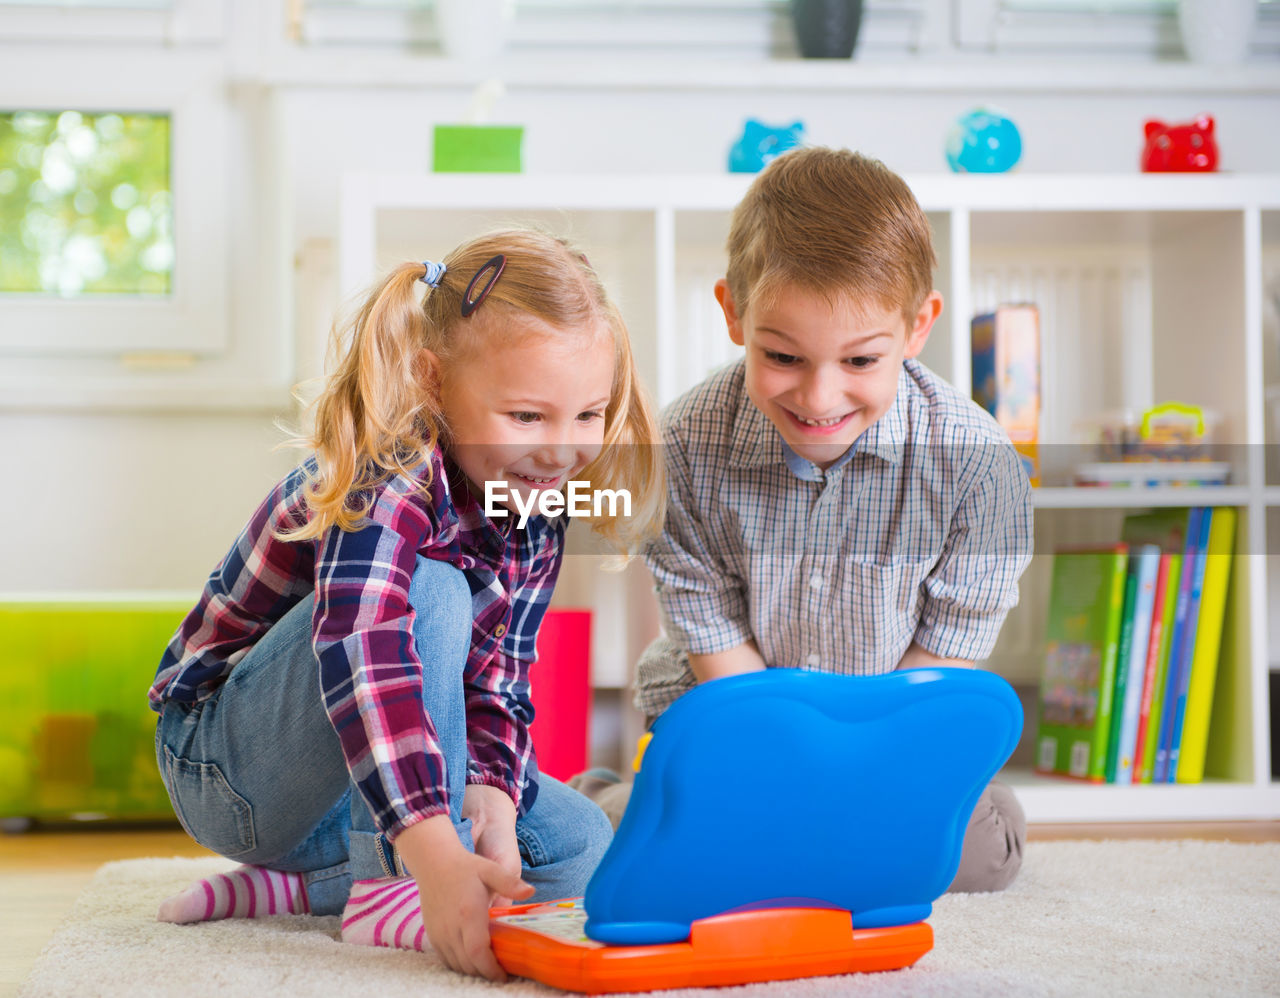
(529, 412)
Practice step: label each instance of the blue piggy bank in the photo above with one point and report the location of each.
(761, 143)
(983, 141)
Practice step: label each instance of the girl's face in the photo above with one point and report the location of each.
(529, 414)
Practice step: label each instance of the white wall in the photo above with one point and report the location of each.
(117, 500)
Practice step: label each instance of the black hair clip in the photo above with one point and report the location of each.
(471, 299)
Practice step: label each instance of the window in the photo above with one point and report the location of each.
(711, 28)
(86, 205)
(1097, 27)
(113, 182)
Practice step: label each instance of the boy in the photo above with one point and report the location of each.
(833, 504)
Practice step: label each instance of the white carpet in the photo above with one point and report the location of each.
(1083, 918)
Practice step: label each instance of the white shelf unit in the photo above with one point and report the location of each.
(1151, 287)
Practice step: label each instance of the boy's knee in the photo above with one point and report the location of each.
(605, 788)
(613, 802)
(993, 842)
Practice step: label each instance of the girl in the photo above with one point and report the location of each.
(346, 709)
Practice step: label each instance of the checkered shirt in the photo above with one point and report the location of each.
(370, 671)
(918, 533)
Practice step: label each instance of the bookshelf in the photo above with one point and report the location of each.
(1151, 287)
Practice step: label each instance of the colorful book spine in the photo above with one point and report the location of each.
(1160, 772)
(1086, 603)
(1146, 566)
(1157, 645)
(1162, 668)
(1121, 680)
(1198, 562)
(1204, 663)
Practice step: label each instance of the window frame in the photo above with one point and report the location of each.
(175, 22)
(1143, 27)
(712, 28)
(187, 87)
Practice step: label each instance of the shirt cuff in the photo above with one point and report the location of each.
(409, 820)
(483, 778)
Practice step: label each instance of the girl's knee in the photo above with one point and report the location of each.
(597, 831)
(441, 601)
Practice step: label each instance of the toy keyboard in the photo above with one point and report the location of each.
(548, 942)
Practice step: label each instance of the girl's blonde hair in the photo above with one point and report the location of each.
(377, 418)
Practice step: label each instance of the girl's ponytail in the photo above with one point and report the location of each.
(374, 418)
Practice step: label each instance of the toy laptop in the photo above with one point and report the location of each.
(783, 824)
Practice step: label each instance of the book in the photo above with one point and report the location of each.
(1005, 367)
(1166, 528)
(1176, 692)
(1157, 666)
(1186, 759)
(1160, 771)
(1086, 604)
(1122, 671)
(1144, 562)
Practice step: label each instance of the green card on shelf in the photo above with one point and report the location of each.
(477, 148)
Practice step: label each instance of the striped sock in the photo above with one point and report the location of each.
(384, 913)
(246, 892)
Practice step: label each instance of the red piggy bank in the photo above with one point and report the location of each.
(1188, 148)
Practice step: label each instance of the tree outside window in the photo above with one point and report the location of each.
(86, 205)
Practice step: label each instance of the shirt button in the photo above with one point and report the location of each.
(812, 661)
(500, 630)
(815, 582)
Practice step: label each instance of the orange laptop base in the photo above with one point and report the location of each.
(547, 942)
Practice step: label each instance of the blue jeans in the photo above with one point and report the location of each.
(256, 772)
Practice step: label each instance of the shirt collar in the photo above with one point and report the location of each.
(885, 438)
(755, 442)
(486, 538)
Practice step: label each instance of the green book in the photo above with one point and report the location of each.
(1124, 659)
(1082, 640)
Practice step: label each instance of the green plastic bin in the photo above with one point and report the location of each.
(77, 736)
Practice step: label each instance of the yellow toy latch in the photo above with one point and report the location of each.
(641, 745)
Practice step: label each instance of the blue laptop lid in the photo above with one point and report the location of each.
(790, 788)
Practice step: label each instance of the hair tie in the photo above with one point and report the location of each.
(435, 271)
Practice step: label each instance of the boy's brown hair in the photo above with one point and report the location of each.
(836, 223)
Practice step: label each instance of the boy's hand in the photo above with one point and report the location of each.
(916, 657)
(493, 829)
(735, 661)
(454, 889)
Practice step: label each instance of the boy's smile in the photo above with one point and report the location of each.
(823, 373)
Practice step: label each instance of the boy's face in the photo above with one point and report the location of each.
(822, 374)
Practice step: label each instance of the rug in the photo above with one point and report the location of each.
(1130, 917)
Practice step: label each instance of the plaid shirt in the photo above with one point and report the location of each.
(370, 672)
(919, 532)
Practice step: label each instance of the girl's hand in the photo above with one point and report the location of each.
(493, 829)
(454, 889)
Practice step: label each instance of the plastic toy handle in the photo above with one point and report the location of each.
(642, 743)
(1193, 414)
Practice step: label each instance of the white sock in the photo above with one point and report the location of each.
(246, 892)
(385, 913)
